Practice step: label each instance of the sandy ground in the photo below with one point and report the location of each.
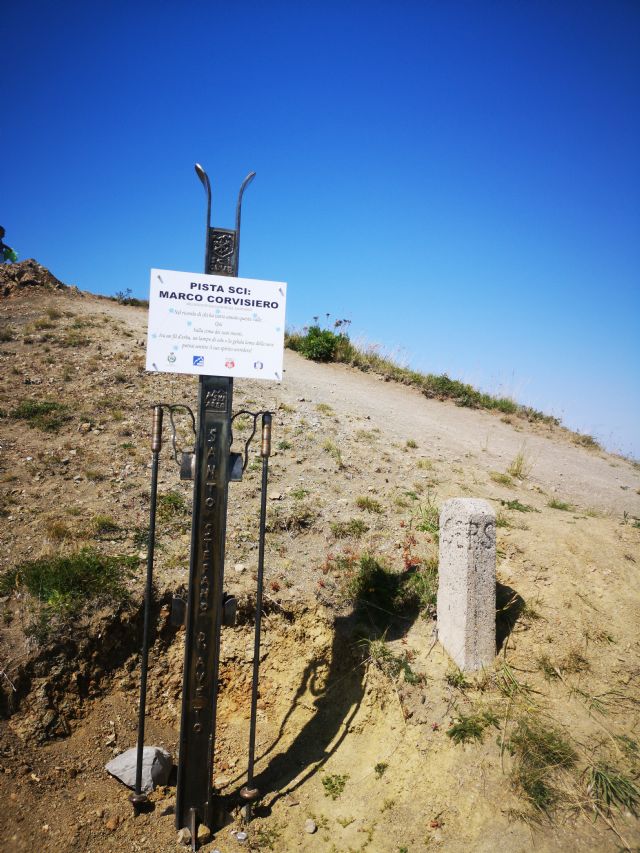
(327, 710)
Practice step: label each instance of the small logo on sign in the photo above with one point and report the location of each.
(229, 363)
(198, 360)
(171, 357)
(258, 365)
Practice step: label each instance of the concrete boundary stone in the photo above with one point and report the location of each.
(467, 582)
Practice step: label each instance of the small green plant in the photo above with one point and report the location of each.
(103, 525)
(502, 520)
(472, 727)
(171, 505)
(368, 504)
(294, 520)
(502, 479)
(456, 678)
(299, 494)
(94, 475)
(425, 464)
(286, 408)
(550, 671)
(73, 339)
(317, 344)
(6, 334)
(562, 505)
(520, 467)
(380, 768)
(46, 415)
(355, 528)
(284, 444)
(334, 785)
(428, 518)
(412, 443)
(334, 451)
(587, 441)
(266, 837)
(57, 530)
(517, 506)
(366, 435)
(393, 666)
(324, 409)
(54, 314)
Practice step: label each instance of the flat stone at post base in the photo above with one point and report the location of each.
(467, 582)
(156, 767)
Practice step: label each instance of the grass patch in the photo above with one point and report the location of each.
(334, 451)
(46, 415)
(74, 339)
(561, 505)
(609, 787)
(355, 528)
(520, 468)
(539, 753)
(412, 443)
(379, 769)
(103, 525)
(456, 678)
(171, 505)
(7, 334)
(284, 444)
(587, 441)
(369, 504)
(324, 409)
(294, 520)
(427, 517)
(501, 479)
(517, 506)
(63, 583)
(392, 665)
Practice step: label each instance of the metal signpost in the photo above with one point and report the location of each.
(212, 466)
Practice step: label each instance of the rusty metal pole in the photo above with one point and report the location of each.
(138, 798)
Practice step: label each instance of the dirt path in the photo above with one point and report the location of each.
(589, 478)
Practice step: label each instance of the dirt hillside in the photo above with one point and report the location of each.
(365, 727)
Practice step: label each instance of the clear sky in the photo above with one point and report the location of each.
(460, 179)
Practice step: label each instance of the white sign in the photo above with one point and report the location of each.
(215, 325)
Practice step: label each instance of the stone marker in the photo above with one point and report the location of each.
(156, 767)
(467, 582)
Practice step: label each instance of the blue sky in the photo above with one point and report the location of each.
(460, 179)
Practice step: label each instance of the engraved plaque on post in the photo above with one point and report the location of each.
(222, 251)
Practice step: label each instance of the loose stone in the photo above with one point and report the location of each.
(310, 826)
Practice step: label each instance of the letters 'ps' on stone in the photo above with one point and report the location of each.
(467, 582)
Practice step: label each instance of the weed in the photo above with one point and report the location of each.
(355, 528)
(556, 504)
(575, 662)
(266, 836)
(393, 666)
(549, 669)
(345, 821)
(284, 445)
(502, 479)
(103, 525)
(379, 769)
(334, 451)
(299, 494)
(502, 520)
(587, 441)
(469, 728)
(387, 805)
(324, 409)
(539, 754)
(7, 333)
(456, 678)
(171, 505)
(73, 339)
(412, 443)
(57, 530)
(141, 537)
(517, 506)
(299, 517)
(428, 518)
(334, 785)
(46, 415)
(425, 464)
(284, 407)
(368, 436)
(369, 504)
(520, 467)
(609, 787)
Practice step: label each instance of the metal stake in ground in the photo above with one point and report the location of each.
(250, 793)
(205, 602)
(138, 797)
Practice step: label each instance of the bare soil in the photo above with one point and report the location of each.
(569, 578)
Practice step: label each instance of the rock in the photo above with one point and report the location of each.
(310, 826)
(81, 797)
(112, 823)
(220, 782)
(184, 836)
(156, 767)
(241, 837)
(239, 567)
